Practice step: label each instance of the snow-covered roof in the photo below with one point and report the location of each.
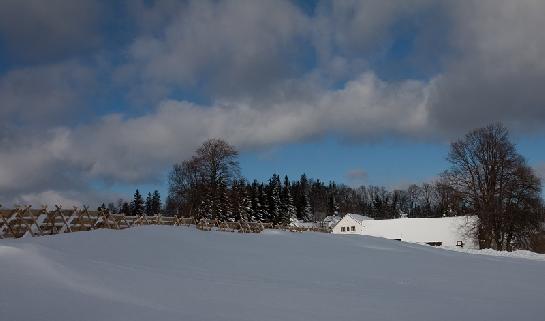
(359, 218)
(332, 218)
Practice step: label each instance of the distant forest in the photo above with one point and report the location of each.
(487, 178)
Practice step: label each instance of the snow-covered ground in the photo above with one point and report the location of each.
(519, 254)
(174, 273)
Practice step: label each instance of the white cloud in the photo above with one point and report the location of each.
(139, 148)
(245, 57)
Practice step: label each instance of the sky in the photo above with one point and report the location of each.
(98, 98)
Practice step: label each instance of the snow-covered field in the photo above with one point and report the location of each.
(173, 273)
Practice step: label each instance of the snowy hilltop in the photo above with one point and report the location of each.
(174, 273)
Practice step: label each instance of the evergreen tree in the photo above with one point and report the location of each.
(304, 207)
(307, 208)
(289, 212)
(223, 210)
(239, 202)
(137, 205)
(245, 206)
(112, 208)
(332, 206)
(206, 207)
(275, 203)
(148, 207)
(257, 208)
(156, 205)
(264, 201)
(125, 209)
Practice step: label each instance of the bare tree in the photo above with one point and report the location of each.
(494, 183)
(200, 181)
(184, 188)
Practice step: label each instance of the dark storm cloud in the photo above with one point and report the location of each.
(38, 31)
(234, 47)
(44, 95)
(497, 70)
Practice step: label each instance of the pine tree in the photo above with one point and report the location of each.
(221, 207)
(206, 208)
(304, 207)
(275, 203)
(257, 209)
(264, 201)
(239, 202)
(137, 205)
(247, 203)
(112, 208)
(148, 207)
(307, 208)
(289, 212)
(156, 205)
(245, 206)
(125, 208)
(332, 206)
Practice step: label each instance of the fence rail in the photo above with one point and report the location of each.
(21, 221)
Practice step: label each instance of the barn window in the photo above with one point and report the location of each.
(353, 228)
(342, 229)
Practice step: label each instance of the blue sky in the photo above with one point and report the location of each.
(101, 97)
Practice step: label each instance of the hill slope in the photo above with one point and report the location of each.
(173, 273)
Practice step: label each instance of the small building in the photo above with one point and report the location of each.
(445, 231)
(351, 224)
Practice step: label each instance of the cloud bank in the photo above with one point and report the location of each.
(256, 73)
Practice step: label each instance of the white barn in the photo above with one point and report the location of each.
(447, 230)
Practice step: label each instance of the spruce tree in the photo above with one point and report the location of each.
(112, 208)
(264, 201)
(257, 209)
(206, 207)
(223, 206)
(156, 202)
(245, 206)
(248, 203)
(137, 205)
(125, 209)
(275, 204)
(148, 207)
(304, 207)
(307, 208)
(289, 212)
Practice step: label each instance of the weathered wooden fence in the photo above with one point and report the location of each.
(24, 220)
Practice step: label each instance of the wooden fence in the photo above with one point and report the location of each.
(22, 221)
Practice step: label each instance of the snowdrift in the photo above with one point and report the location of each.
(169, 273)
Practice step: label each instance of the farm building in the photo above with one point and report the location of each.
(448, 231)
(351, 224)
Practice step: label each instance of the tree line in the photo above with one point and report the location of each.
(487, 178)
(152, 205)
